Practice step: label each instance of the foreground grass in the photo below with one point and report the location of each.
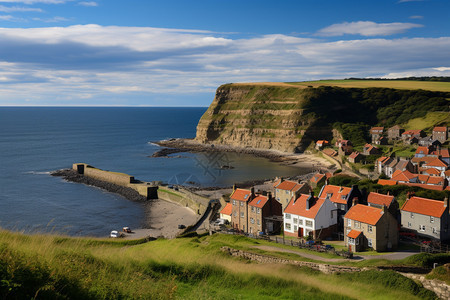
(41, 266)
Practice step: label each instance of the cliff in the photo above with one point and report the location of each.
(288, 118)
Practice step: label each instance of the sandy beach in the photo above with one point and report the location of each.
(164, 218)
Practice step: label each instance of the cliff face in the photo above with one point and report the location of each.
(262, 117)
(288, 118)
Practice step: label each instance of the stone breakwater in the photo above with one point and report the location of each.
(265, 259)
(126, 192)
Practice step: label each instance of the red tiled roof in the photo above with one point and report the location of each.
(380, 199)
(376, 129)
(322, 142)
(447, 173)
(298, 186)
(386, 182)
(364, 214)
(354, 155)
(277, 182)
(435, 180)
(287, 185)
(424, 159)
(241, 195)
(329, 152)
(383, 158)
(317, 177)
(298, 207)
(425, 186)
(403, 175)
(338, 194)
(412, 132)
(432, 171)
(424, 206)
(353, 234)
(423, 178)
(436, 163)
(259, 201)
(440, 129)
(227, 209)
(444, 152)
(422, 150)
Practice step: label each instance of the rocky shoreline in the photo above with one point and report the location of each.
(188, 145)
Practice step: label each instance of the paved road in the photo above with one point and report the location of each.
(389, 256)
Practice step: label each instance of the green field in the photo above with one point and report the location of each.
(393, 84)
(429, 121)
(42, 267)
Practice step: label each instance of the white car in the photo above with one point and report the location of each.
(114, 234)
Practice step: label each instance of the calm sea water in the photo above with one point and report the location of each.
(35, 141)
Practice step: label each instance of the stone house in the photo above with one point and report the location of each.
(263, 212)
(239, 200)
(226, 212)
(395, 132)
(284, 190)
(426, 217)
(379, 200)
(370, 227)
(345, 147)
(413, 133)
(437, 164)
(381, 141)
(429, 141)
(320, 144)
(310, 216)
(341, 197)
(370, 150)
(317, 179)
(355, 157)
(381, 164)
(440, 134)
(376, 133)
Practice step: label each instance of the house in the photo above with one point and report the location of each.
(341, 197)
(420, 180)
(405, 177)
(321, 144)
(376, 133)
(310, 216)
(355, 157)
(426, 217)
(429, 141)
(411, 140)
(225, 213)
(264, 215)
(405, 165)
(239, 200)
(379, 200)
(413, 133)
(370, 227)
(443, 154)
(437, 164)
(381, 141)
(440, 133)
(318, 179)
(345, 147)
(370, 150)
(381, 163)
(388, 165)
(395, 132)
(423, 151)
(286, 189)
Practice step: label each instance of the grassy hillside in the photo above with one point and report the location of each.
(190, 268)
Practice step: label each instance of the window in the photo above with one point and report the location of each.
(342, 206)
(349, 223)
(242, 203)
(295, 220)
(332, 214)
(431, 219)
(252, 220)
(308, 223)
(253, 209)
(287, 192)
(258, 210)
(234, 202)
(295, 228)
(412, 215)
(235, 213)
(369, 243)
(242, 214)
(357, 224)
(257, 222)
(287, 216)
(369, 228)
(351, 241)
(409, 225)
(300, 221)
(435, 230)
(421, 227)
(287, 226)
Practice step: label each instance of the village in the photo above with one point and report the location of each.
(364, 219)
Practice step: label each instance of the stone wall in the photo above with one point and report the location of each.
(325, 268)
(441, 289)
(113, 177)
(183, 199)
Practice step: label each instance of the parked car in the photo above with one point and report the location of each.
(114, 234)
(126, 229)
(219, 222)
(181, 226)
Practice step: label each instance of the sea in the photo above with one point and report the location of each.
(34, 141)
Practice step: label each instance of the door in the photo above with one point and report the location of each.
(350, 248)
(300, 232)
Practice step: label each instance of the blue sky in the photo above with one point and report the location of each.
(176, 53)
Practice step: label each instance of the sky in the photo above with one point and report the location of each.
(177, 52)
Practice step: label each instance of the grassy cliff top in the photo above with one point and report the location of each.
(348, 83)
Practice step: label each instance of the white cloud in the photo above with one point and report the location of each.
(95, 62)
(416, 17)
(8, 9)
(51, 20)
(367, 28)
(88, 3)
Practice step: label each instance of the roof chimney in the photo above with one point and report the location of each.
(384, 209)
(446, 202)
(234, 187)
(252, 190)
(354, 201)
(269, 195)
(309, 202)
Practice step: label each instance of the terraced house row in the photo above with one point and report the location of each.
(368, 221)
